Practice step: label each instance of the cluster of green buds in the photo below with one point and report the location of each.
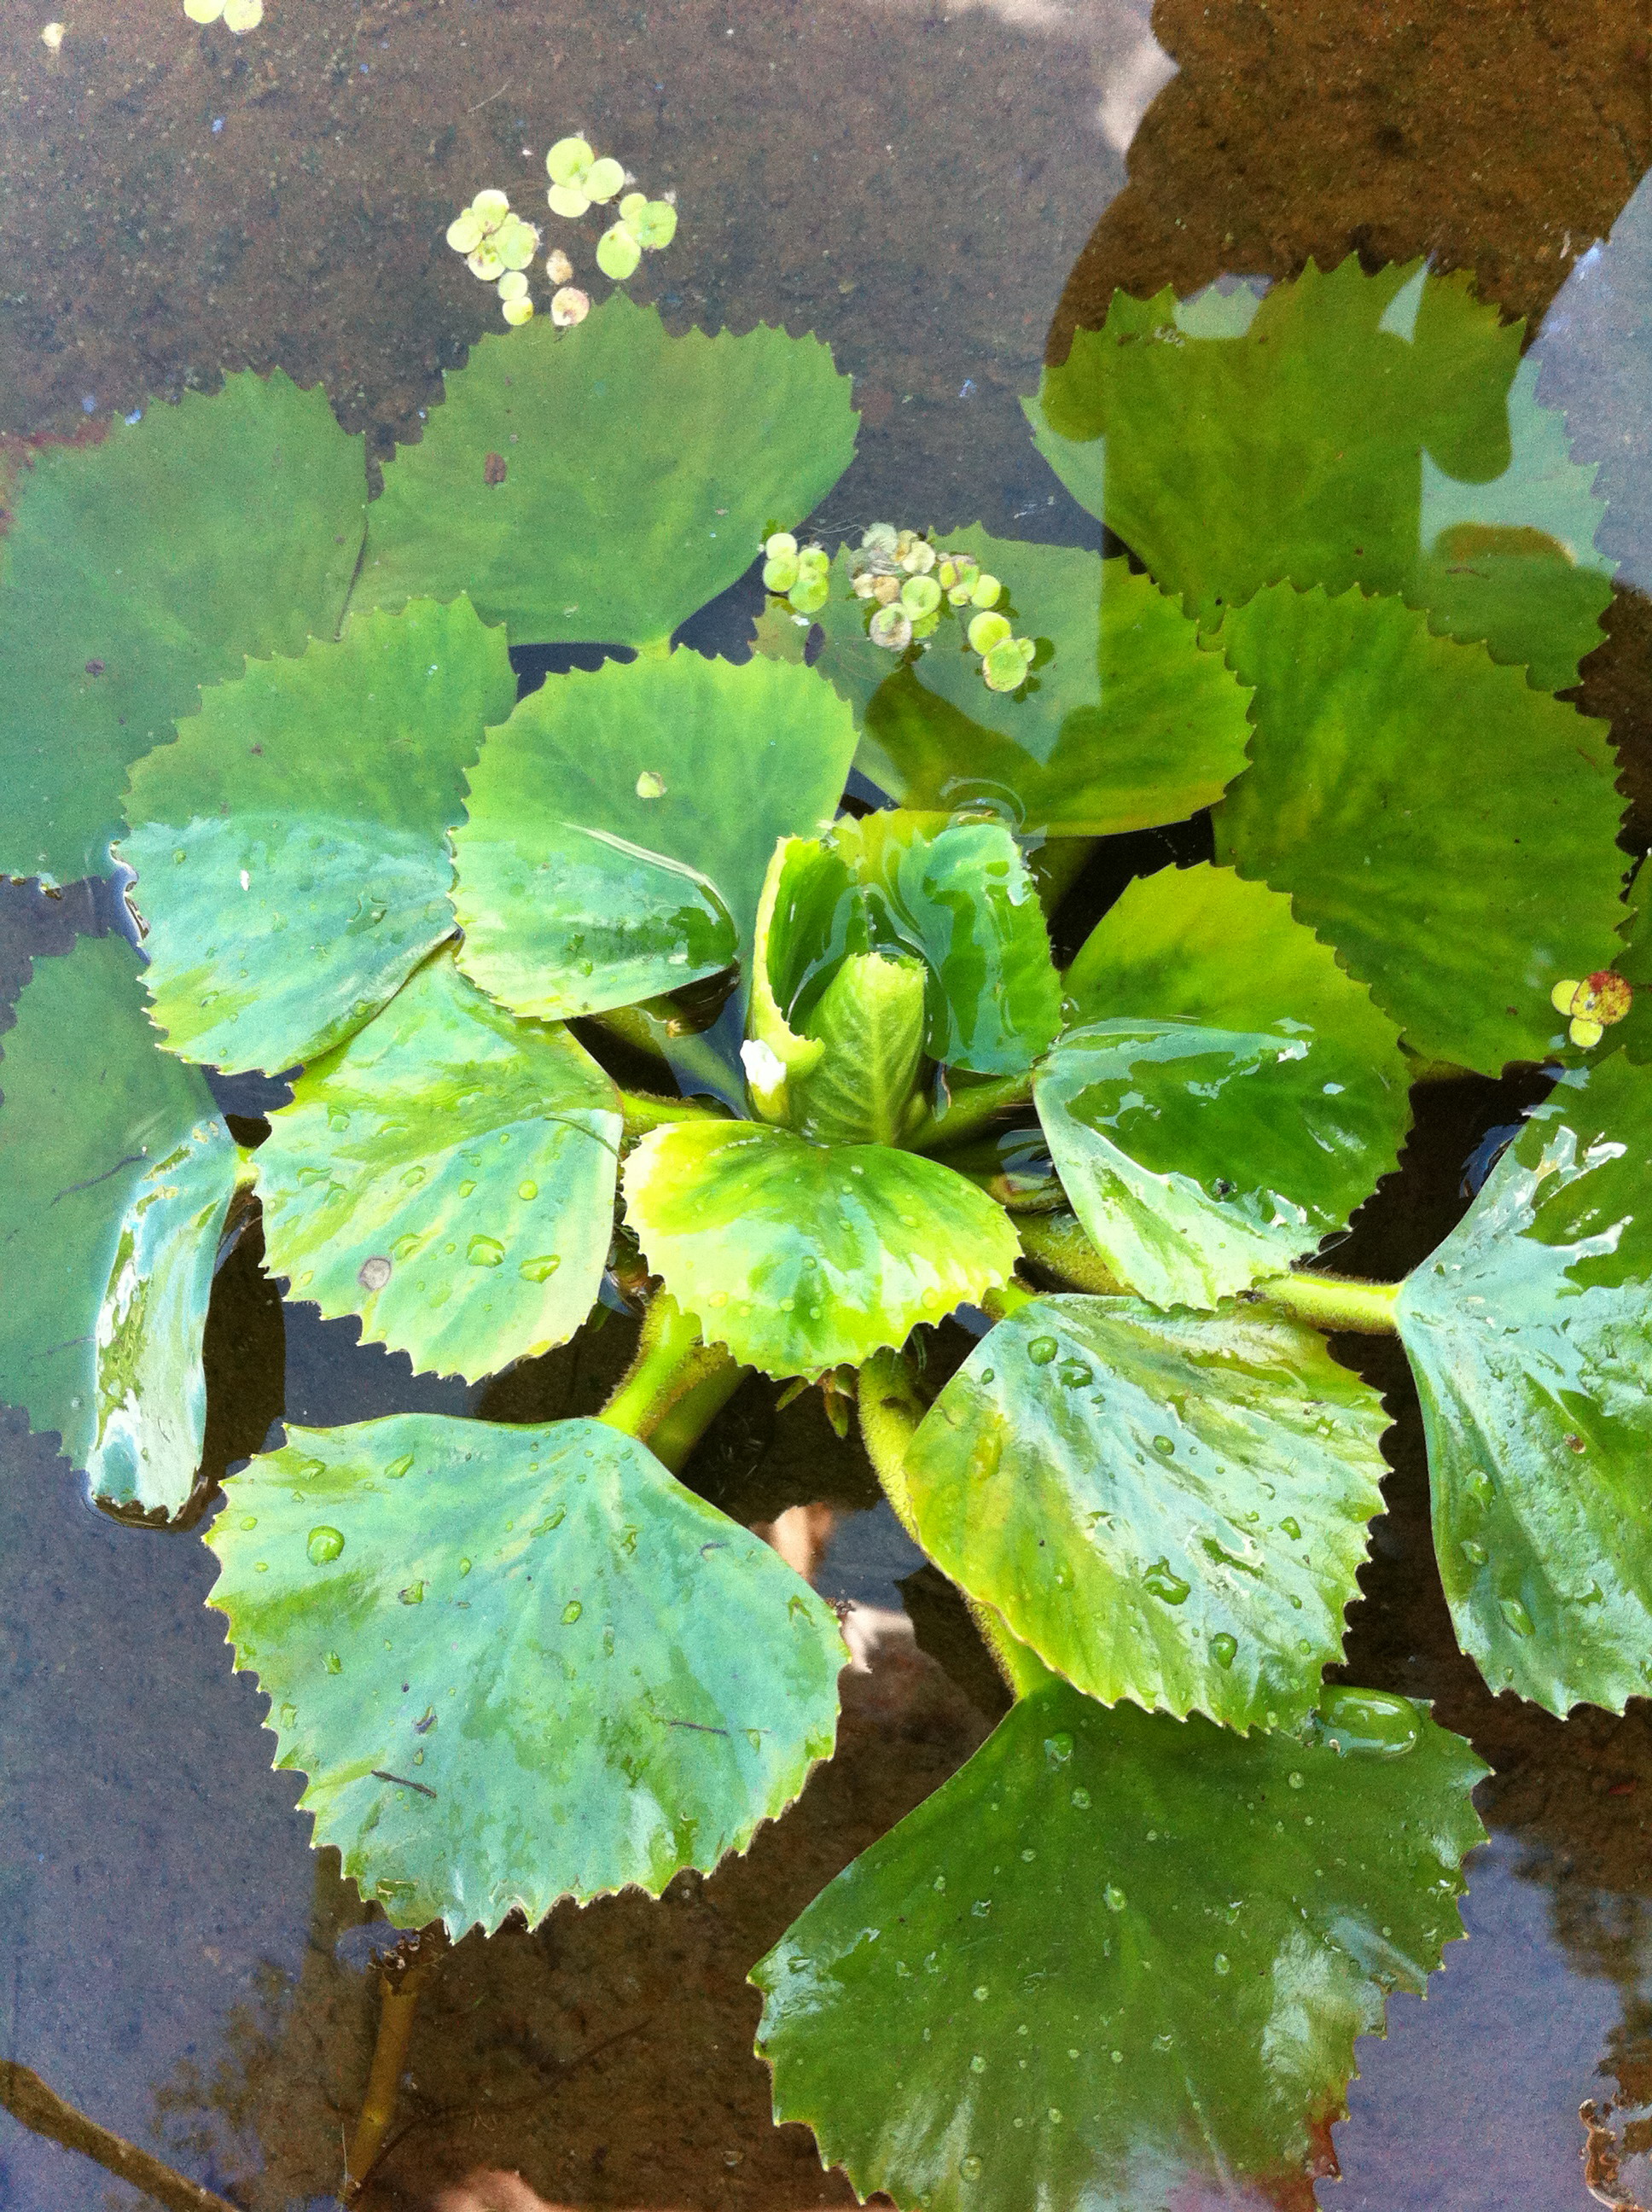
(237, 15)
(499, 249)
(1592, 1005)
(800, 575)
(911, 583)
(581, 178)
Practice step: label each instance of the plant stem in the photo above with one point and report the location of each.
(971, 1110)
(397, 2002)
(890, 1410)
(1333, 1302)
(28, 2099)
(1056, 1242)
(674, 1386)
(686, 1053)
(643, 1111)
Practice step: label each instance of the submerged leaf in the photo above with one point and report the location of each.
(517, 1664)
(1233, 1096)
(290, 851)
(1115, 1962)
(447, 1173)
(643, 468)
(802, 1256)
(137, 569)
(1448, 830)
(1530, 1335)
(1169, 1508)
(676, 775)
(98, 1128)
(1126, 720)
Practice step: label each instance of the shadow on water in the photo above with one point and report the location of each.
(914, 184)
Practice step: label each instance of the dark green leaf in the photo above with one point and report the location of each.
(118, 1177)
(1448, 830)
(447, 1173)
(1169, 1508)
(290, 850)
(696, 766)
(144, 566)
(518, 1664)
(801, 1256)
(1117, 1963)
(869, 1023)
(1530, 1335)
(639, 470)
(1234, 1096)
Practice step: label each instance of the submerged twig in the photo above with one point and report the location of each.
(28, 2099)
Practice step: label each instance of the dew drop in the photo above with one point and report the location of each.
(1224, 1648)
(1221, 1963)
(1291, 1527)
(1114, 1897)
(1516, 1615)
(977, 2064)
(485, 1252)
(1474, 1553)
(528, 1190)
(332, 1663)
(1058, 1748)
(399, 1468)
(1294, 1779)
(572, 1611)
(541, 1267)
(1081, 1799)
(249, 1520)
(1162, 1581)
(1074, 1373)
(1041, 1349)
(651, 784)
(981, 1992)
(1164, 1447)
(466, 1189)
(325, 1545)
(374, 1273)
(413, 1594)
(970, 2168)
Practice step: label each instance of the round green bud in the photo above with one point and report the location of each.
(465, 232)
(516, 242)
(1005, 668)
(808, 594)
(570, 305)
(779, 543)
(569, 160)
(918, 558)
(513, 285)
(891, 629)
(618, 252)
(814, 561)
(630, 207)
(602, 179)
(987, 592)
(518, 311)
(567, 200)
(491, 208)
(1028, 648)
(987, 631)
(656, 225)
(920, 595)
(959, 595)
(780, 571)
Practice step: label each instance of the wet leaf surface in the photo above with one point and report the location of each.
(1116, 1961)
(642, 470)
(1169, 1508)
(799, 1256)
(448, 1174)
(291, 849)
(1230, 1096)
(1529, 1337)
(130, 583)
(1448, 830)
(518, 1664)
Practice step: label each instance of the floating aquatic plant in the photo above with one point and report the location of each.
(452, 913)
(237, 15)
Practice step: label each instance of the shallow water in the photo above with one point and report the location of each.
(930, 189)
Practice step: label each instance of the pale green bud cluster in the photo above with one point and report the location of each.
(238, 16)
(581, 179)
(499, 249)
(912, 584)
(800, 575)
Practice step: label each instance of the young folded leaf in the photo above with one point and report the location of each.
(144, 563)
(1448, 830)
(1117, 1962)
(448, 1174)
(1530, 1335)
(1232, 1094)
(290, 848)
(639, 471)
(108, 1239)
(800, 1256)
(1167, 1508)
(517, 1664)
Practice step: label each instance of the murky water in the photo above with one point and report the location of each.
(929, 187)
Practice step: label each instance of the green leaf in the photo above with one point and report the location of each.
(517, 1664)
(1118, 1963)
(448, 1174)
(959, 897)
(1448, 830)
(139, 568)
(1126, 721)
(869, 1023)
(639, 473)
(1233, 1096)
(675, 772)
(98, 1126)
(289, 847)
(1169, 1508)
(1530, 1335)
(801, 1256)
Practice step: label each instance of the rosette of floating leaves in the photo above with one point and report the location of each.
(911, 583)
(800, 575)
(643, 226)
(1592, 1005)
(498, 248)
(581, 179)
(236, 15)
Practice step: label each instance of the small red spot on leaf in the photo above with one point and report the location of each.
(95, 668)
(493, 469)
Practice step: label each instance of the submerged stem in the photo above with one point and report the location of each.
(1334, 1301)
(674, 1386)
(40, 2108)
(971, 1110)
(1056, 1242)
(645, 1110)
(398, 2001)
